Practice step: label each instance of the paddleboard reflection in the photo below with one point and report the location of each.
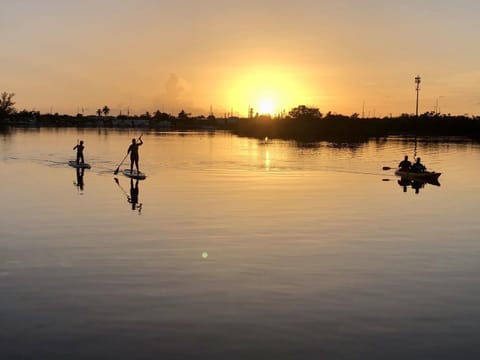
(132, 196)
(79, 183)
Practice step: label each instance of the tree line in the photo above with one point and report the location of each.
(302, 123)
(309, 124)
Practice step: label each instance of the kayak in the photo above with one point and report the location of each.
(74, 164)
(425, 175)
(134, 174)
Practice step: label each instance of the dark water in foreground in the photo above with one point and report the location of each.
(240, 250)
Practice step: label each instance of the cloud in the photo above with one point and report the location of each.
(174, 88)
(176, 96)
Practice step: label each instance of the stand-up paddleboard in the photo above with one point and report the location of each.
(74, 164)
(134, 174)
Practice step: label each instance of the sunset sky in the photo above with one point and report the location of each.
(143, 55)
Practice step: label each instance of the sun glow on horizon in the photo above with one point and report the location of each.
(266, 107)
(267, 90)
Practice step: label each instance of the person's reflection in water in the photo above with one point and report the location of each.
(405, 183)
(79, 183)
(414, 184)
(417, 185)
(133, 198)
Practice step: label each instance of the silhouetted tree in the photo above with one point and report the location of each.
(304, 112)
(182, 115)
(99, 112)
(161, 116)
(6, 104)
(106, 110)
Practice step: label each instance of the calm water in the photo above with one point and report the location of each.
(239, 250)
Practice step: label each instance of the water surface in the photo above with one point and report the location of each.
(240, 249)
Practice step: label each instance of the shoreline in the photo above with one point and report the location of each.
(330, 127)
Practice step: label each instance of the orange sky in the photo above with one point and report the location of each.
(144, 55)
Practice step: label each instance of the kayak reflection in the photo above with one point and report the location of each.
(132, 196)
(416, 184)
(79, 181)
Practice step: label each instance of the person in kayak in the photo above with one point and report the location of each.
(418, 166)
(133, 151)
(405, 164)
(80, 148)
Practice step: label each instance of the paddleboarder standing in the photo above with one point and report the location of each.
(79, 147)
(133, 151)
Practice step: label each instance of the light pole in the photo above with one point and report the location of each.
(417, 88)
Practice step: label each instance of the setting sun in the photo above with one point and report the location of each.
(267, 90)
(266, 107)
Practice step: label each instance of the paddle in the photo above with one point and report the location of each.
(121, 188)
(137, 206)
(118, 168)
(387, 168)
